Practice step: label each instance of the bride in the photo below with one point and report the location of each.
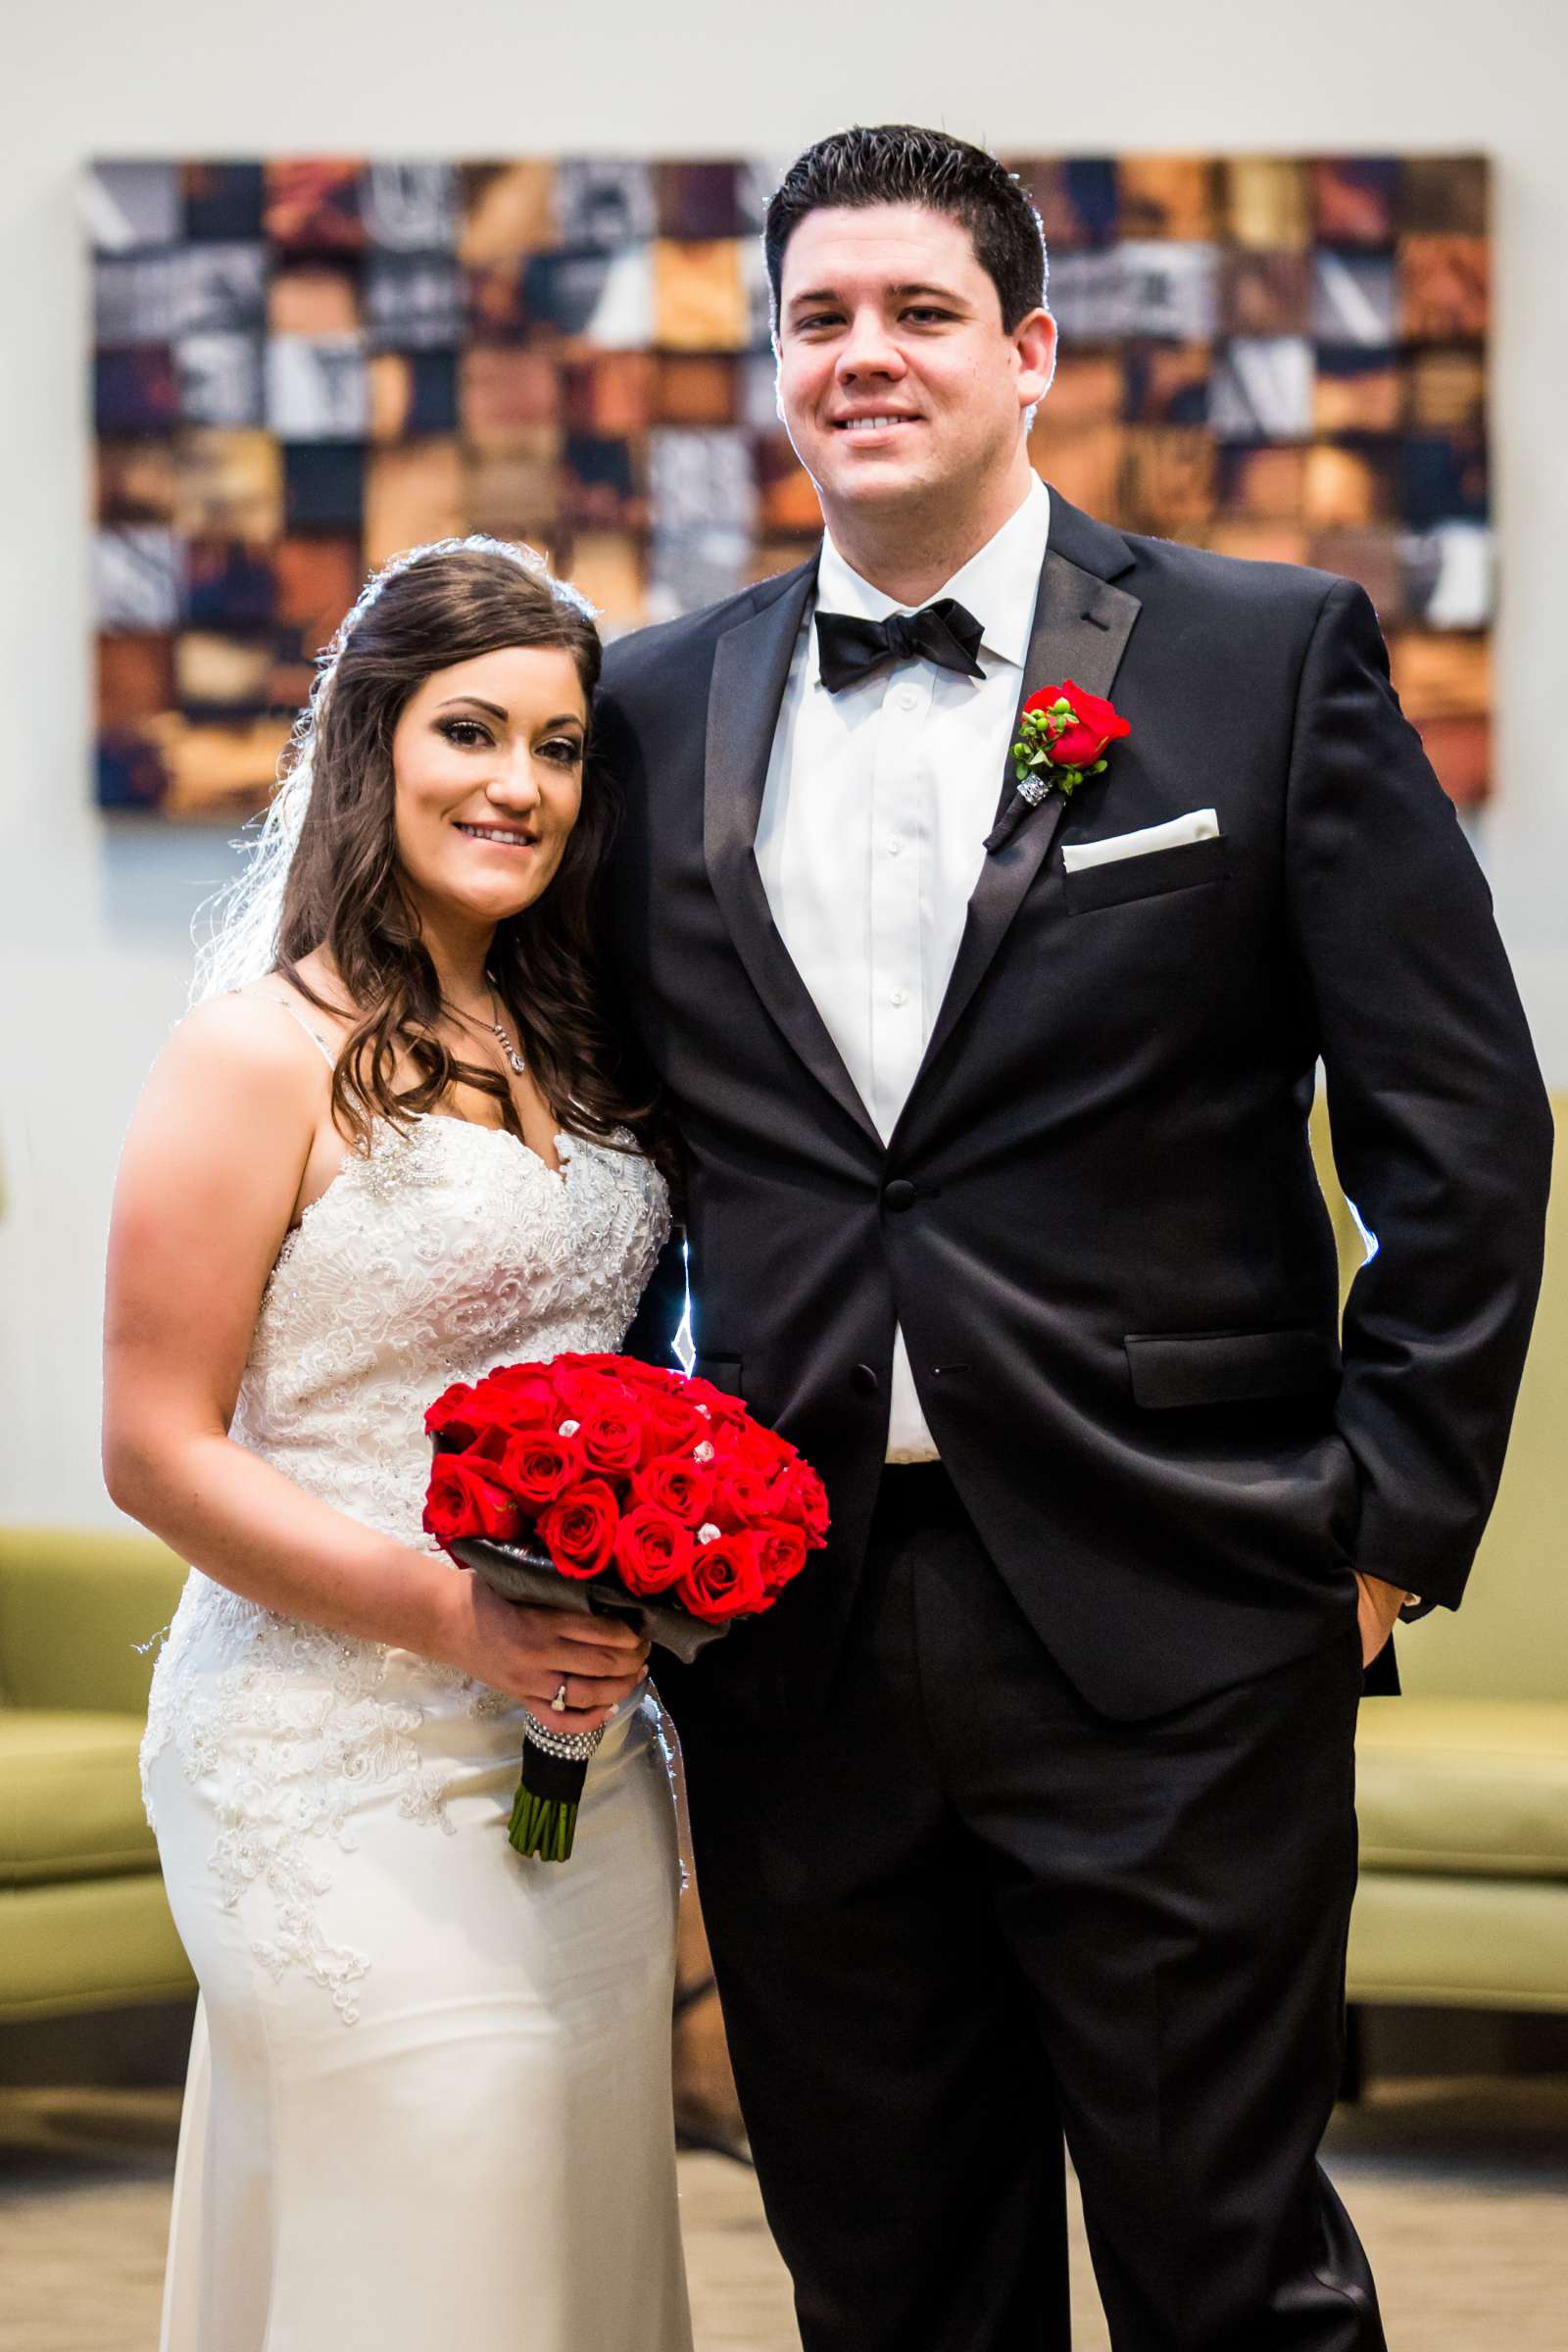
(430, 2095)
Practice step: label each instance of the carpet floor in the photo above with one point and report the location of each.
(1460, 2191)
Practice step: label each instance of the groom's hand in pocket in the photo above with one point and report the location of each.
(1378, 1607)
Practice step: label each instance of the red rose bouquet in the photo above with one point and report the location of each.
(604, 1485)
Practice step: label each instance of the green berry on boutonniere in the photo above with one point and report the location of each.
(1062, 736)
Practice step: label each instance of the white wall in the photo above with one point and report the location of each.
(93, 919)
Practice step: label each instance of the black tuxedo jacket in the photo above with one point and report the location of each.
(1098, 1220)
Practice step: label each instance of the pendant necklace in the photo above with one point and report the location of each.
(508, 1043)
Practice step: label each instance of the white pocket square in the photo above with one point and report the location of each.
(1199, 824)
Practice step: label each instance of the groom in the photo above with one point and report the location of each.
(1029, 1810)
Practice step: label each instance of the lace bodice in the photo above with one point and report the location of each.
(447, 1252)
(444, 1252)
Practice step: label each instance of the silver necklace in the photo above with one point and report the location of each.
(508, 1043)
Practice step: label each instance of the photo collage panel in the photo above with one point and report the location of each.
(303, 366)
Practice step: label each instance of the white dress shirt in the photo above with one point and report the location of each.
(875, 811)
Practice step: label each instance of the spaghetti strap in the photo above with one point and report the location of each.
(295, 1014)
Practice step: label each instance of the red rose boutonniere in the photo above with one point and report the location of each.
(1061, 739)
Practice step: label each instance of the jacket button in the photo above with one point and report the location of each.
(865, 1381)
(900, 1193)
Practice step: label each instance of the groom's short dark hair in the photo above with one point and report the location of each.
(897, 163)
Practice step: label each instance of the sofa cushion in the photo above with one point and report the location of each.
(1447, 1943)
(81, 1945)
(79, 1610)
(1464, 1787)
(69, 1796)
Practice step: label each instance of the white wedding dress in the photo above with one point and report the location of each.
(429, 2096)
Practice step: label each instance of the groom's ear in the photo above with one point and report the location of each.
(1034, 339)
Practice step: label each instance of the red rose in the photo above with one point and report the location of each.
(649, 1380)
(463, 1499)
(447, 1418)
(669, 1425)
(490, 1445)
(798, 1494)
(682, 1488)
(581, 1391)
(721, 1405)
(611, 1438)
(513, 1398)
(782, 1553)
(742, 1493)
(749, 1444)
(579, 1530)
(528, 1390)
(539, 1466)
(652, 1551)
(725, 1579)
(1093, 724)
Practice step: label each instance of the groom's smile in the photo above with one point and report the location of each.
(873, 424)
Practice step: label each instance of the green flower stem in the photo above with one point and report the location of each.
(542, 1826)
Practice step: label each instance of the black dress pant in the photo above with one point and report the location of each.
(961, 1914)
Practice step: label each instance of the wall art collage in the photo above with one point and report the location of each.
(302, 365)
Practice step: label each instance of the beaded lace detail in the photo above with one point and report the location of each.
(442, 1253)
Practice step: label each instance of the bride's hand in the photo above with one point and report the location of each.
(529, 1652)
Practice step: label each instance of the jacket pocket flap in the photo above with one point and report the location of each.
(1227, 1367)
(1147, 876)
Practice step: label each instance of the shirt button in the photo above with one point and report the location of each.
(895, 845)
(908, 699)
(900, 996)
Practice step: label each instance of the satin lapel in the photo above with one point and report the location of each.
(750, 667)
(1081, 627)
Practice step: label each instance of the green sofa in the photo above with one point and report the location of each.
(83, 1923)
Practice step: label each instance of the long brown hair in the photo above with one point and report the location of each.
(346, 892)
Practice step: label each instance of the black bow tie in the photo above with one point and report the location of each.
(848, 649)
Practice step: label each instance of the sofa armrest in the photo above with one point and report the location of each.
(74, 1604)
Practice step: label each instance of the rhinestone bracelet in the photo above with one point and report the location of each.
(573, 1747)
